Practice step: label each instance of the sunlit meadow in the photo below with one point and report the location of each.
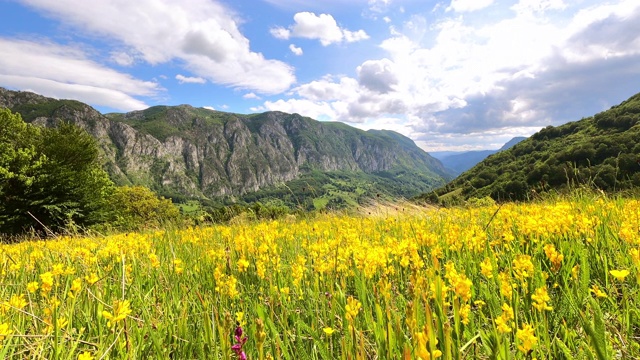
(549, 280)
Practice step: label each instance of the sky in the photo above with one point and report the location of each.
(452, 75)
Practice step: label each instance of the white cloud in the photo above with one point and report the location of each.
(190, 80)
(69, 74)
(322, 27)
(251, 96)
(296, 50)
(469, 5)
(538, 6)
(377, 75)
(480, 79)
(209, 108)
(316, 110)
(122, 58)
(199, 33)
(354, 36)
(379, 6)
(280, 33)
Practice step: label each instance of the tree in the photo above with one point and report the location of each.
(49, 174)
(135, 207)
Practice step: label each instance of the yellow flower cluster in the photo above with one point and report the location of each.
(446, 269)
(526, 337)
(352, 308)
(554, 257)
(503, 322)
(120, 312)
(541, 299)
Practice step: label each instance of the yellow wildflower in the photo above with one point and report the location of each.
(619, 274)
(422, 351)
(5, 331)
(61, 322)
(76, 285)
(17, 301)
(47, 282)
(120, 311)
(32, 287)
(328, 330)
(595, 289)
(541, 298)
(85, 356)
(58, 269)
(486, 268)
(243, 264)
(523, 267)
(554, 256)
(240, 318)
(526, 337)
(503, 321)
(506, 287)
(575, 271)
(464, 313)
(352, 308)
(153, 259)
(635, 256)
(178, 266)
(92, 278)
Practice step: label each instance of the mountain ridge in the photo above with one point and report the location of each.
(201, 153)
(461, 161)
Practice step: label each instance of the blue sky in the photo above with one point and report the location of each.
(451, 74)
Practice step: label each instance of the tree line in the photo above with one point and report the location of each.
(51, 180)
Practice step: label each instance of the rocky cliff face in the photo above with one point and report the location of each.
(204, 153)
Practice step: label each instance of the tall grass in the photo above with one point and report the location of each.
(538, 280)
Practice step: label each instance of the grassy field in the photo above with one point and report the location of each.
(557, 279)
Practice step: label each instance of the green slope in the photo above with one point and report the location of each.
(602, 152)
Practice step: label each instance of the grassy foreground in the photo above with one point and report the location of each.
(549, 280)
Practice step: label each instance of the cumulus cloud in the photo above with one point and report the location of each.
(296, 50)
(321, 27)
(316, 110)
(480, 80)
(201, 34)
(377, 75)
(69, 74)
(190, 80)
(251, 96)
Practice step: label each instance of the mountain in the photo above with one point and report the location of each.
(601, 152)
(511, 143)
(188, 152)
(461, 161)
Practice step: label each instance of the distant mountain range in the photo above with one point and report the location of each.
(186, 152)
(599, 152)
(461, 161)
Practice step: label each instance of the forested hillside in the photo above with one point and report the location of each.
(602, 152)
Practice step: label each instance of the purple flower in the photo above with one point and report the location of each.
(240, 341)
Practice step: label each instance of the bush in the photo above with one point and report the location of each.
(136, 207)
